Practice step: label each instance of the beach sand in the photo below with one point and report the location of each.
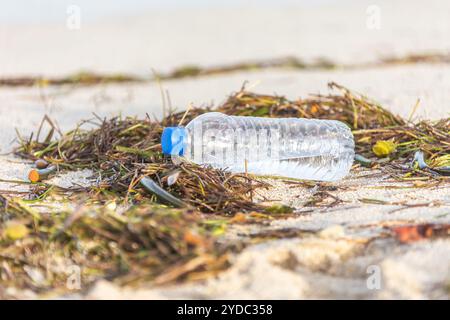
(338, 259)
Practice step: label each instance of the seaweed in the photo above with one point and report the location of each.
(124, 227)
(124, 151)
(87, 78)
(144, 242)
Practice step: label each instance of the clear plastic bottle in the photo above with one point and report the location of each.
(291, 147)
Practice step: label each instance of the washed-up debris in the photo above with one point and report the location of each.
(419, 159)
(363, 161)
(122, 147)
(123, 151)
(126, 229)
(152, 186)
(85, 78)
(81, 78)
(384, 148)
(376, 130)
(41, 164)
(440, 164)
(36, 175)
(144, 242)
(412, 233)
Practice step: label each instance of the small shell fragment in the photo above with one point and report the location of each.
(41, 164)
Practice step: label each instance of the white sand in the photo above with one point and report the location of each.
(330, 265)
(209, 36)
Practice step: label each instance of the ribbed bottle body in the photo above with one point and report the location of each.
(292, 147)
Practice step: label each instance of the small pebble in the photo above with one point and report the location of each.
(41, 164)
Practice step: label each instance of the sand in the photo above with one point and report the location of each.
(164, 39)
(337, 261)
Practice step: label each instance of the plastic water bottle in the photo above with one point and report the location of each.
(291, 147)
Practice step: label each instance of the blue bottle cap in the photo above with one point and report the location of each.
(173, 140)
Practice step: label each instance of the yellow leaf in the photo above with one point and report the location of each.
(15, 230)
(384, 148)
(219, 230)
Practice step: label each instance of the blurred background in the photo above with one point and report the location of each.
(54, 37)
(60, 38)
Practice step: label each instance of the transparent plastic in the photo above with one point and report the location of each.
(292, 147)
